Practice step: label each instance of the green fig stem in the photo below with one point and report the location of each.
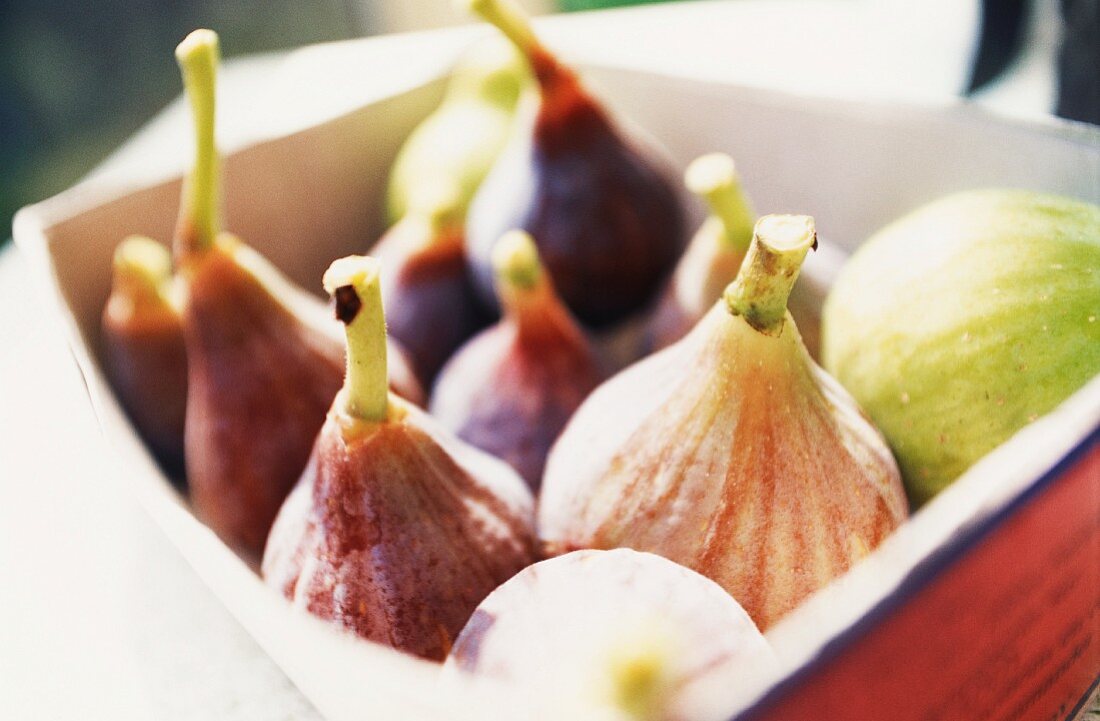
(354, 285)
(143, 262)
(440, 205)
(509, 18)
(198, 225)
(515, 262)
(714, 178)
(759, 293)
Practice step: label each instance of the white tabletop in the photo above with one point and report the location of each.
(99, 616)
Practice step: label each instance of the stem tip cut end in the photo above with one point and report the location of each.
(787, 233)
(198, 44)
(516, 260)
(709, 173)
(359, 272)
(144, 258)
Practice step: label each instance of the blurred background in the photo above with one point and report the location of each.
(77, 78)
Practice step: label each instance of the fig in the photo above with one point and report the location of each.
(613, 635)
(396, 530)
(144, 354)
(431, 306)
(607, 220)
(713, 256)
(511, 389)
(730, 451)
(458, 143)
(262, 365)
(962, 322)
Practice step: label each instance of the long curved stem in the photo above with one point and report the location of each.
(759, 293)
(354, 284)
(714, 178)
(198, 224)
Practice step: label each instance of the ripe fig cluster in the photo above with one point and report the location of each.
(448, 460)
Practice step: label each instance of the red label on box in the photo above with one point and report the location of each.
(1005, 628)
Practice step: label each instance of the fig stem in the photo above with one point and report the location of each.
(143, 262)
(713, 177)
(515, 262)
(510, 19)
(439, 204)
(759, 293)
(354, 285)
(198, 57)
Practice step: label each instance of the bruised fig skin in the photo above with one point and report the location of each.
(513, 387)
(430, 301)
(613, 635)
(397, 530)
(713, 256)
(145, 358)
(262, 369)
(607, 221)
(730, 451)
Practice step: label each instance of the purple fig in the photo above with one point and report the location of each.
(607, 221)
(431, 306)
(513, 387)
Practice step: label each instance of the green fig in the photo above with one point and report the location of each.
(964, 321)
(460, 141)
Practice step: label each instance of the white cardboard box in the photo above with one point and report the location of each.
(984, 605)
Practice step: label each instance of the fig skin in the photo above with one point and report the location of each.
(144, 354)
(396, 536)
(263, 368)
(964, 321)
(606, 218)
(396, 530)
(731, 453)
(511, 389)
(260, 383)
(613, 634)
(431, 305)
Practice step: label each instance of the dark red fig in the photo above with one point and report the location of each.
(607, 221)
(262, 366)
(431, 308)
(713, 256)
(397, 530)
(613, 635)
(730, 451)
(513, 387)
(145, 357)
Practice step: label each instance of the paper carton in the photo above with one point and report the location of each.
(985, 605)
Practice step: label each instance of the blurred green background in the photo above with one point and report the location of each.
(77, 78)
